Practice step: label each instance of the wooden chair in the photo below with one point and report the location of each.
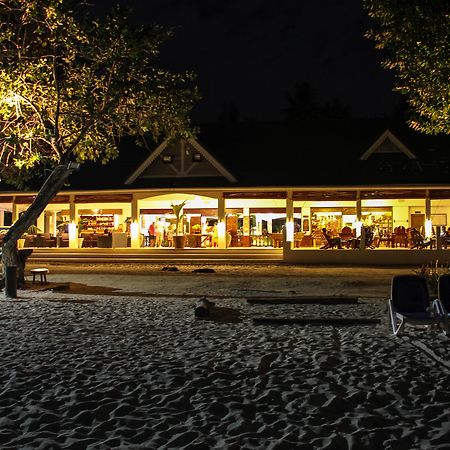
(346, 236)
(400, 238)
(418, 241)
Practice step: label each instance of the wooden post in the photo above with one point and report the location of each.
(362, 239)
(73, 226)
(134, 227)
(288, 235)
(222, 225)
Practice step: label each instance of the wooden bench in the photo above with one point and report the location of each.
(42, 272)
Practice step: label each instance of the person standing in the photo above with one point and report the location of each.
(151, 235)
(160, 228)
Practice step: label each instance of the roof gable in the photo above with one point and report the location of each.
(387, 143)
(185, 158)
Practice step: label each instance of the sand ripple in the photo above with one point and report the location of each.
(142, 373)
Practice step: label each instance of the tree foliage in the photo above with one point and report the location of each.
(415, 35)
(71, 86)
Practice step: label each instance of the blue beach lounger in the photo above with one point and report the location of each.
(410, 303)
(442, 303)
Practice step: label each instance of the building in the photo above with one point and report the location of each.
(264, 186)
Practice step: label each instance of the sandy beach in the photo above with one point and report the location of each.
(114, 358)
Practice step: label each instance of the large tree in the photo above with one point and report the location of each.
(415, 35)
(71, 85)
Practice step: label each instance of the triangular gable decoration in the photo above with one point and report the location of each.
(185, 158)
(387, 143)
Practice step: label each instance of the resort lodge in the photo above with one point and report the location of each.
(356, 192)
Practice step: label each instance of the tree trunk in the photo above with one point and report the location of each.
(49, 189)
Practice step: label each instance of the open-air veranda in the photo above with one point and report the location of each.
(332, 225)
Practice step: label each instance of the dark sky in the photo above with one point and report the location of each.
(251, 52)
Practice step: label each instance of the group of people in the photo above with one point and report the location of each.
(160, 234)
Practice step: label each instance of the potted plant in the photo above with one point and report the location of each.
(178, 236)
(32, 229)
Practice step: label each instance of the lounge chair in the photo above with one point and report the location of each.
(331, 242)
(410, 303)
(418, 241)
(368, 240)
(442, 303)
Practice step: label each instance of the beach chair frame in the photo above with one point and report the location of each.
(421, 312)
(442, 303)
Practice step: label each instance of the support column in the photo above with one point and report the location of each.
(134, 226)
(288, 237)
(2, 218)
(428, 224)
(53, 229)
(360, 230)
(40, 223)
(73, 226)
(246, 227)
(222, 223)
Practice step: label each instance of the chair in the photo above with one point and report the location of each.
(346, 236)
(442, 303)
(44, 240)
(400, 238)
(417, 240)
(368, 239)
(63, 240)
(104, 241)
(410, 303)
(331, 242)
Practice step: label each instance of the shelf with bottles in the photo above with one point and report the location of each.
(96, 222)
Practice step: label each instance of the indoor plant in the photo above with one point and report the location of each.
(178, 237)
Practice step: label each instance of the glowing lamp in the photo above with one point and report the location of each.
(428, 228)
(116, 221)
(221, 230)
(134, 234)
(357, 225)
(289, 231)
(73, 235)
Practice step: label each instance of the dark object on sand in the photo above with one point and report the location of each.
(170, 269)
(204, 270)
(315, 321)
(324, 300)
(202, 308)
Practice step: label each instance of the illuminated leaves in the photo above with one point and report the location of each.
(415, 34)
(71, 88)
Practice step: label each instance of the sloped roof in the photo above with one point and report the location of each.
(183, 159)
(290, 153)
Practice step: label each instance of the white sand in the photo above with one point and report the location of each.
(85, 371)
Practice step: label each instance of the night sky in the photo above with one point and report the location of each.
(251, 52)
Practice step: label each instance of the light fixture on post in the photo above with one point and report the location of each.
(73, 235)
(428, 228)
(289, 231)
(134, 234)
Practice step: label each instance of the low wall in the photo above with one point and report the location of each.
(377, 257)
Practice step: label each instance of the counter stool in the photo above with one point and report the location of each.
(42, 272)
